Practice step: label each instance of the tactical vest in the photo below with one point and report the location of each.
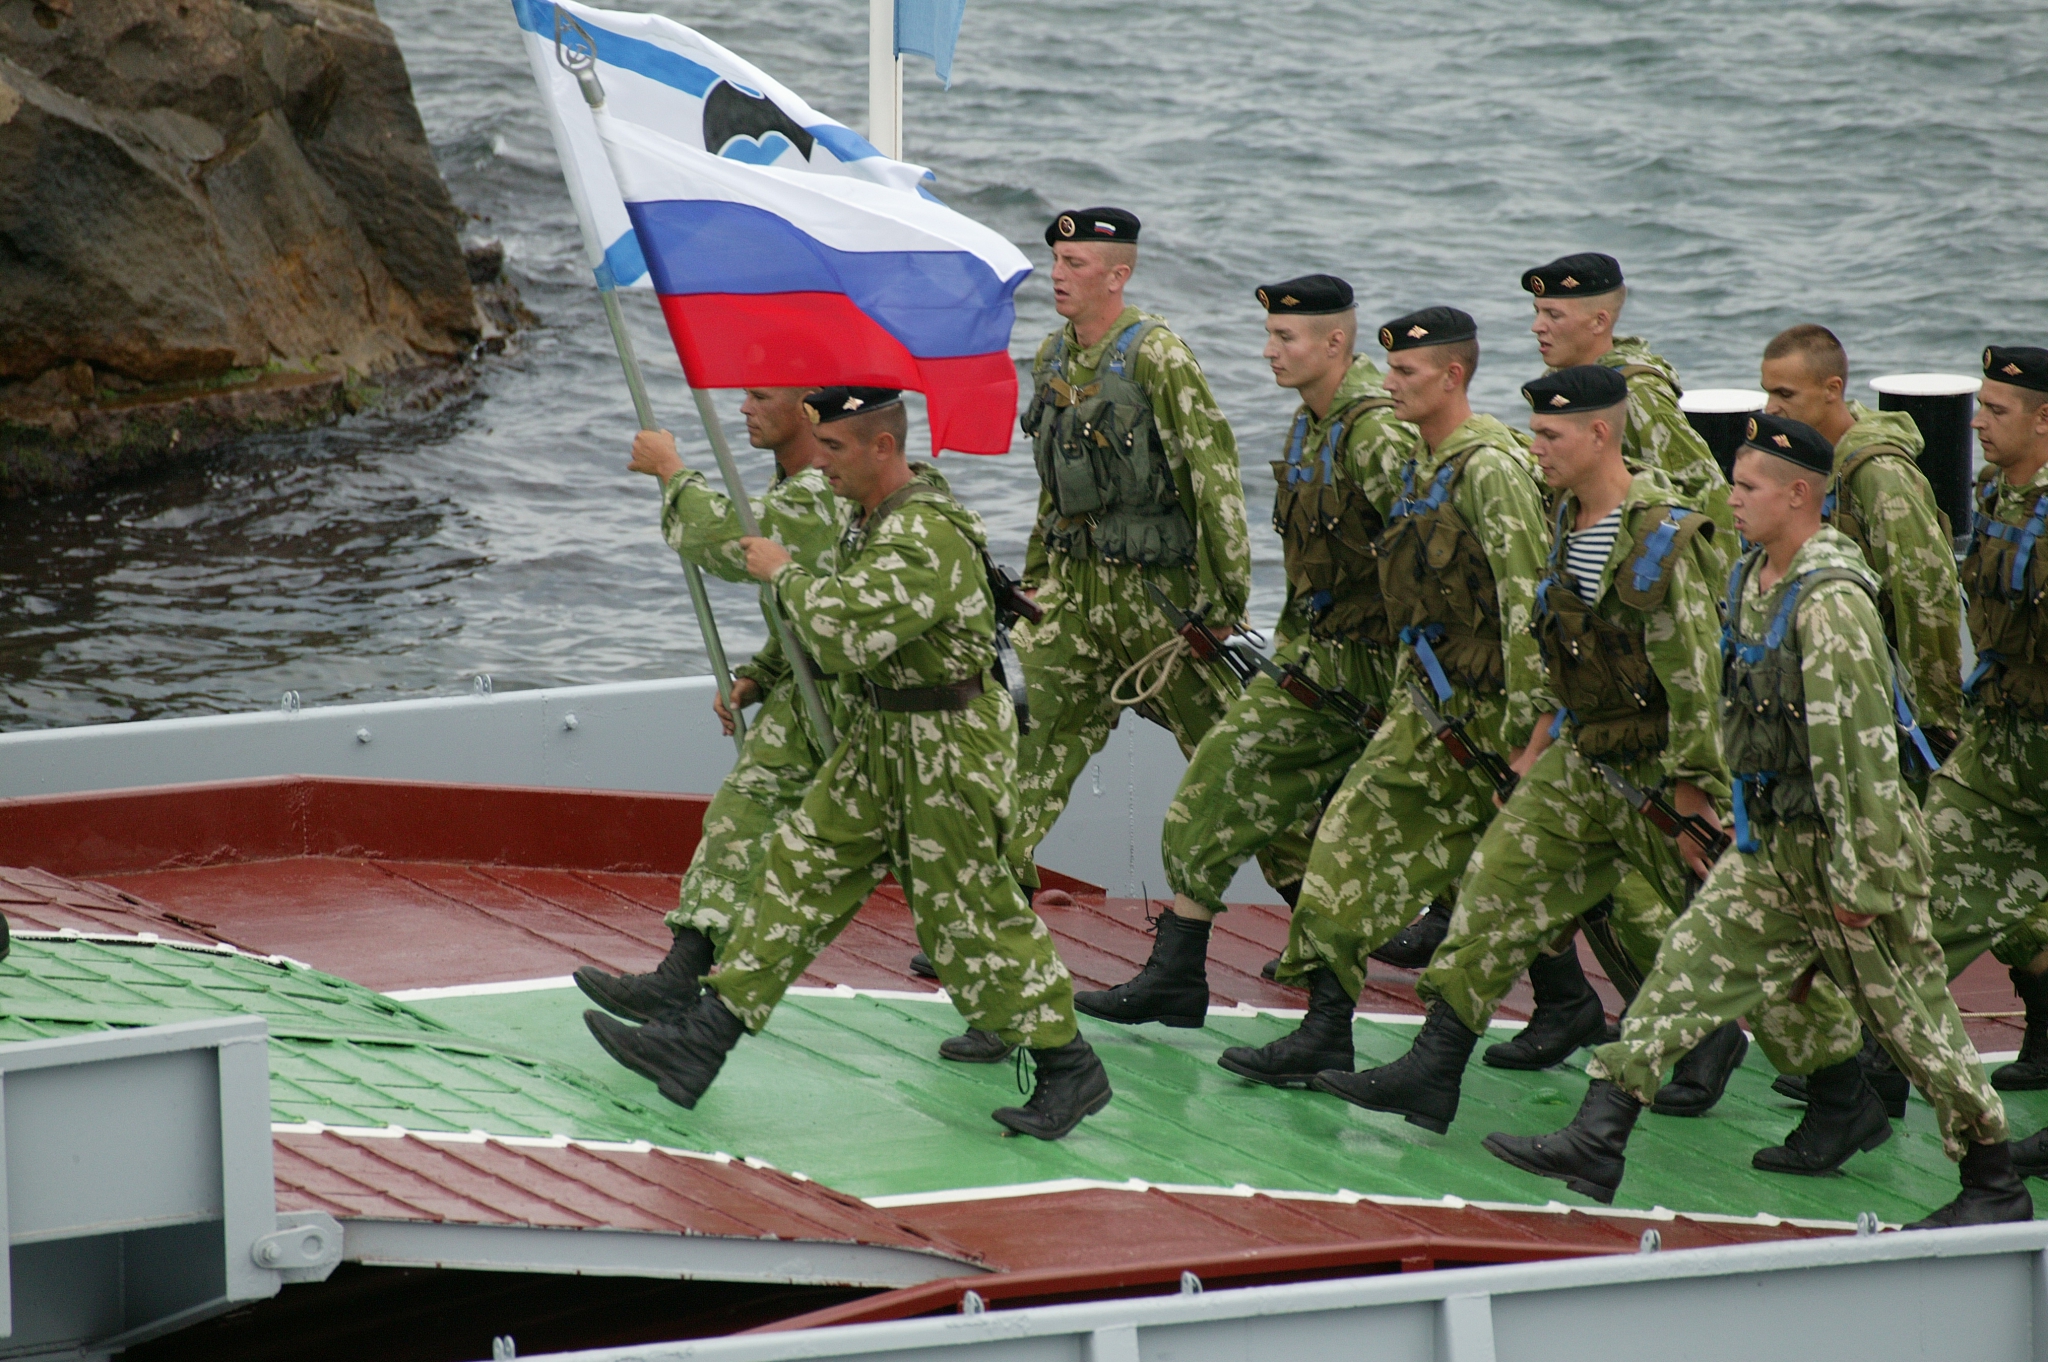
(1600, 670)
(1099, 456)
(1439, 587)
(2007, 584)
(1836, 511)
(1329, 534)
(1763, 707)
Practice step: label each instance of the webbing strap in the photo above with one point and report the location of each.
(1986, 660)
(1745, 838)
(1439, 489)
(1296, 471)
(1419, 638)
(1657, 548)
(1910, 726)
(1118, 350)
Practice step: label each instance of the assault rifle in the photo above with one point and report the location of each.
(1665, 815)
(1012, 604)
(1451, 733)
(1247, 662)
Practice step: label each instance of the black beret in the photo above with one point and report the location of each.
(2023, 366)
(1575, 276)
(1583, 387)
(1092, 224)
(1431, 326)
(1312, 295)
(1789, 439)
(826, 405)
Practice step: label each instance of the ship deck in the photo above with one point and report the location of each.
(410, 944)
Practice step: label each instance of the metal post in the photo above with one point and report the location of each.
(581, 62)
(1721, 415)
(700, 599)
(1942, 405)
(885, 81)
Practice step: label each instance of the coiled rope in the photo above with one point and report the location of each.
(1151, 673)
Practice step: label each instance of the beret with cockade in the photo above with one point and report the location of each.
(1583, 387)
(2023, 366)
(1431, 326)
(1585, 275)
(1092, 224)
(1312, 295)
(825, 405)
(1789, 439)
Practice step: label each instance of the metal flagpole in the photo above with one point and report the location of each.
(580, 62)
(885, 81)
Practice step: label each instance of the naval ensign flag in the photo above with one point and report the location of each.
(785, 250)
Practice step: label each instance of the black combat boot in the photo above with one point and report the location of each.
(1412, 946)
(1173, 988)
(6, 937)
(2030, 1071)
(1702, 1073)
(976, 1047)
(1883, 1076)
(1070, 1085)
(1322, 1041)
(921, 965)
(2030, 1156)
(1568, 1014)
(1992, 1192)
(682, 1056)
(668, 992)
(1291, 895)
(1589, 1155)
(1843, 1116)
(1421, 1085)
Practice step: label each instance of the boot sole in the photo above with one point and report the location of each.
(1271, 1080)
(1432, 1124)
(977, 1059)
(1594, 1035)
(1097, 1105)
(1182, 1021)
(590, 990)
(2024, 1083)
(1872, 1141)
(1603, 1195)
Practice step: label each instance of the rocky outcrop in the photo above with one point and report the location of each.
(215, 215)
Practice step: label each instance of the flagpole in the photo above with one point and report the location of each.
(700, 599)
(885, 81)
(581, 64)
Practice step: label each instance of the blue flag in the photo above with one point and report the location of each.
(930, 28)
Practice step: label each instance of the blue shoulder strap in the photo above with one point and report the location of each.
(1657, 548)
(1120, 348)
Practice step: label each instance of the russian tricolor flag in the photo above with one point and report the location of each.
(785, 249)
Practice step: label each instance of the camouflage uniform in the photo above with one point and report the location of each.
(1257, 781)
(927, 795)
(1659, 435)
(1565, 838)
(1099, 618)
(1987, 811)
(1907, 543)
(1405, 819)
(1765, 916)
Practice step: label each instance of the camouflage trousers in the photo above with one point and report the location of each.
(1397, 833)
(1258, 779)
(928, 797)
(1562, 844)
(1099, 619)
(1987, 826)
(1760, 922)
(776, 765)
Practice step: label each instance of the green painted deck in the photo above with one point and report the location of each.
(849, 1091)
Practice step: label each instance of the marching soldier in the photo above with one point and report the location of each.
(1140, 488)
(1258, 779)
(1578, 302)
(1831, 862)
(1627, 622)
(780, 754)
(1459, 562)
(922, 784)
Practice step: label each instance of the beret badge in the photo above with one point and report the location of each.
(2011, 368)
(1386, 337)
(1751, 432)
(1536, 285)
(812, 412)
(1560, 400)
(1417, 332)
(1066, 225)
(1264, 301)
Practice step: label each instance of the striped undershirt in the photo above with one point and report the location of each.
(1585, 553)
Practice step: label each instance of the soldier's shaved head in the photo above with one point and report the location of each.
(1815, 345)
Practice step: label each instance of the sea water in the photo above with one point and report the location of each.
(1879, 168)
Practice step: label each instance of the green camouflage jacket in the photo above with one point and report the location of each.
(1659, 434)
(1913, 559)
(1200, 450)
(1375, 447)
(1500, 497)
(1877, 847)
(908, 604)
(1682, 638)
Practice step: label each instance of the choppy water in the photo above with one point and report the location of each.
(1882, 168)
